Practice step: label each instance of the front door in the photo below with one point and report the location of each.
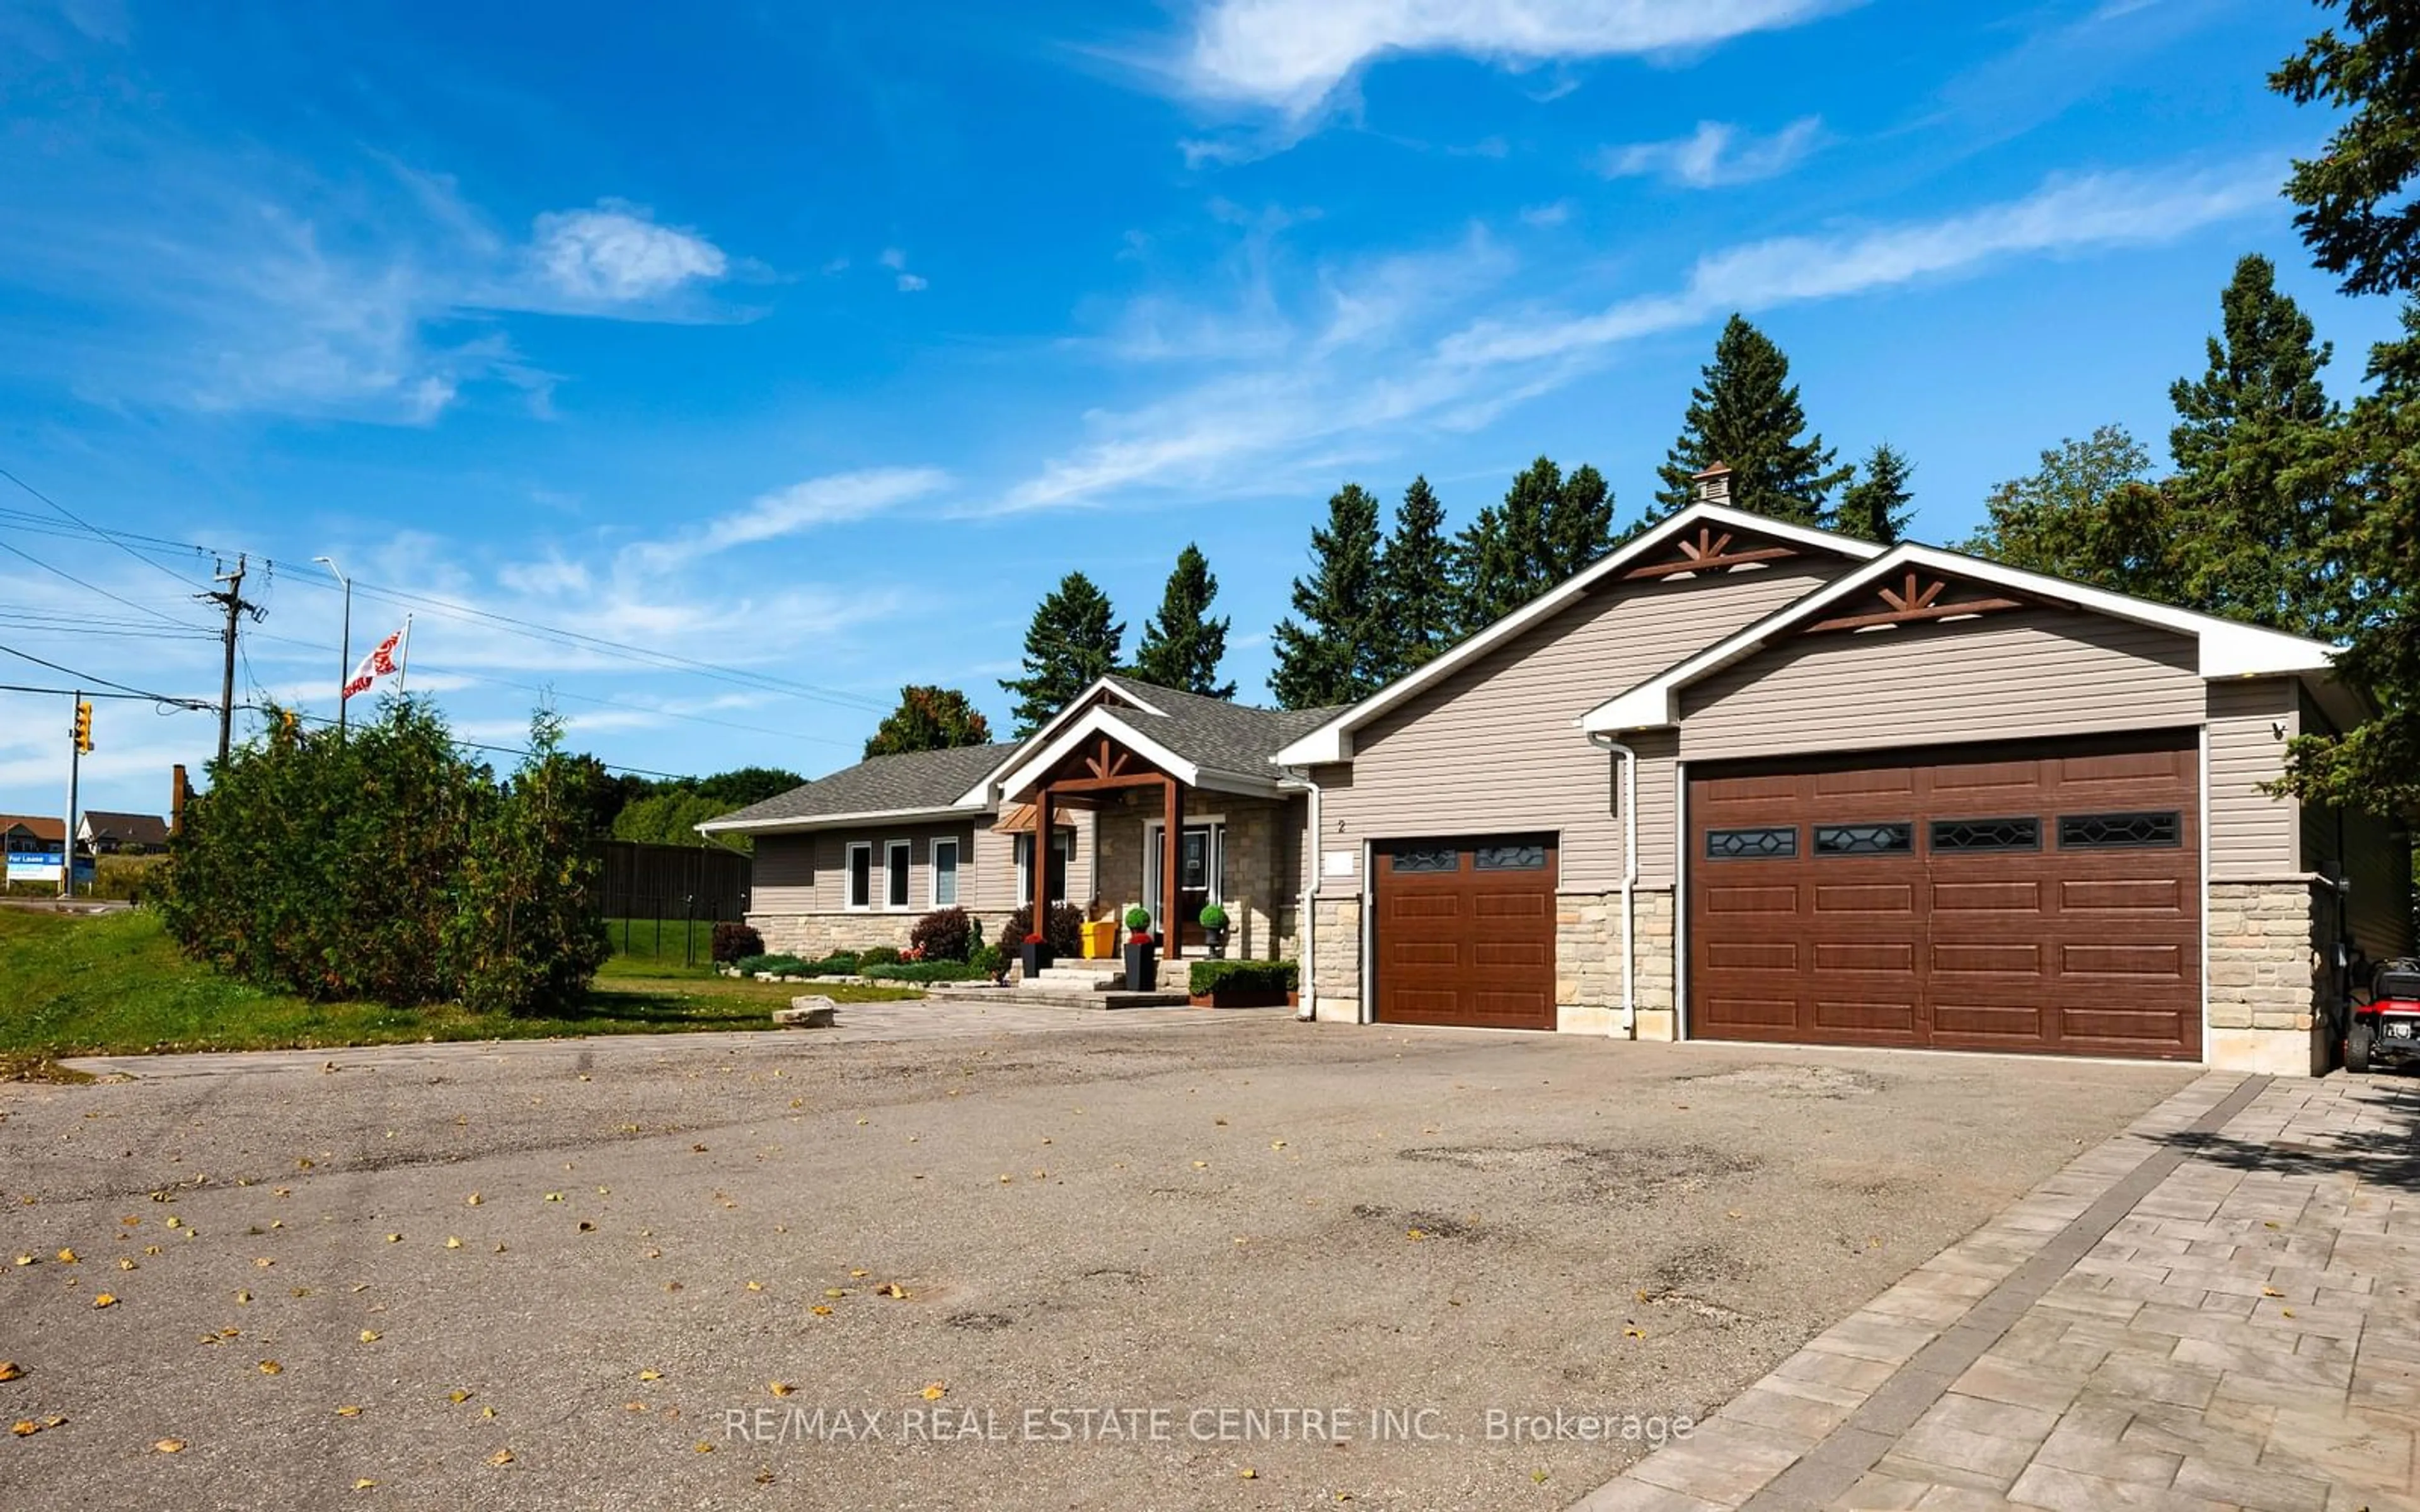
(1199, 865)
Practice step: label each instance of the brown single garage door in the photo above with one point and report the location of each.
(2041, 899)
(1466, 932)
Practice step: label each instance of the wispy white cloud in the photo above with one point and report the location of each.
(2098, 211)
(616, 253)
(911, 283)
(831, 499)
(1292, 55)
(1716, 155)
(1397, 347)
(1553, 214)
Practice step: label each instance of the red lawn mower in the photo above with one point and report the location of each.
(2386, 1028)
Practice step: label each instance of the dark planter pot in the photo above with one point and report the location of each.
(1142, 966)
(1037, 959)
(1214, 940)
(1241, 997)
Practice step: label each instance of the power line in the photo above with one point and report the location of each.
(92, 528)
(473, 744)
(89, 587)
(103, 682)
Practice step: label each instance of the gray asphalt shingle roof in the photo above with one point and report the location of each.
(884, 784)
(1207, 731)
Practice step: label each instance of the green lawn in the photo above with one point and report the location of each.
(115, 984)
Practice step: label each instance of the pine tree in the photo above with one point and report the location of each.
(1499, 560)
(1073, 641)
(2257, 464)
(1331, 657)
(1577, 530)
(929, 718)
(1415, 578)
(1747, 415)
(1182, 646)
(1876, 506)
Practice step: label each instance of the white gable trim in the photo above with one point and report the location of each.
(1333, 741)
(1097, 720)
(2225, 648)
(830, 821)
(987, 791)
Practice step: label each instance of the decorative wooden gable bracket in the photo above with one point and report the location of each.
(1914, 598)
(1712, 552)
(1108, 759)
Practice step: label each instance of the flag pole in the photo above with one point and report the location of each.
(403, 657)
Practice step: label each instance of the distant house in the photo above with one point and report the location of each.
(35, 847)
(122, 834)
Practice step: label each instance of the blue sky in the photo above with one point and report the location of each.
(803, 348)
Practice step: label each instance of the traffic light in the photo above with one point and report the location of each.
(84, 728)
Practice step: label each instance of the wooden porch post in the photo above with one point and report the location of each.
(1043, 821)
(1171, 840)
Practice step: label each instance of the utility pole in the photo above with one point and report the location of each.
(344, 646)
(79, 741)
(231, 598)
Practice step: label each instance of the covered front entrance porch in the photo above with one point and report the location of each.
(1177, 870)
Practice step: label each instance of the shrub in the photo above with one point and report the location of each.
(880, 955)
(925, 971)
(1214, 917)
(838, 964)
(732, 941)
(1063, 930)
(1242, 976)
(1137, 920)
(944, 934)
(987, 959)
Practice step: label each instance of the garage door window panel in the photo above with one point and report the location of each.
(1864, 840)
(1762, 844)
(2120, 831)
(1958, 837)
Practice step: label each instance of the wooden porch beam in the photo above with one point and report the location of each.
(1105, 784)
(1171, 840)
(1042, 839)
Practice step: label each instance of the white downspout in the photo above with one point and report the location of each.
(1308, 1008)
(1629, 759)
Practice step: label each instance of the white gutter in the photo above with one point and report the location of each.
(1308, 1007)
(1629, 759)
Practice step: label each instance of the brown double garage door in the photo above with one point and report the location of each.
(2034, 898)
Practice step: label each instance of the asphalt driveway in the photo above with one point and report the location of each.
(1135, 1258)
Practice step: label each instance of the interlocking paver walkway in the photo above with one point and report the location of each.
(2218, 1308)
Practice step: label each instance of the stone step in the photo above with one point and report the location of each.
(1044, 995)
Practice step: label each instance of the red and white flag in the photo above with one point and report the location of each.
(386, 660)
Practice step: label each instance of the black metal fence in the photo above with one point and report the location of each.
(652, 891)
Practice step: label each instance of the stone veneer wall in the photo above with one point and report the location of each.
(2266, 961)
(810, 935)
(1587, 963)
(1336, 966)
(1260, 887)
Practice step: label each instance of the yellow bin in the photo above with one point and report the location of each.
(1100, 939)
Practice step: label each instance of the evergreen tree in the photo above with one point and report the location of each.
(1746, 414)
(929, 718)
(1578, 528)
(1073, 641)
(1182, 646)
(1497, 557)
(2257, 464)
(1415, 578)
(2089, 514)
(1876, 507)
(1331, 657)
(2356, 215)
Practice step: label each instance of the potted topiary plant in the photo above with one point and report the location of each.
(1037, 955)
(1214, 931)
(1143, 952)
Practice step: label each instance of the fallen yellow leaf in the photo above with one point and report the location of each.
(270, 1368)
(369, 1335)
(821, 1310)
(1247, 1472)
(67, 1257)
(25, 1260)
(501, 1456)
(348, 1410)
(472, 1200)
(170, 1446)
(105, 1300)
(125, 1264)
(860, 1272)
(458, 1395)
(364, 1484)
(704, 1447)
(10, 1370)
(243, 1296)
(781, 1388)
(756, 1286)
(24, 1427)
(935, 1391)
(651, 1375)
(452, 1243)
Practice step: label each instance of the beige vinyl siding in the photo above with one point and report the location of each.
(1659, 800)
(809, 874)
(995, 860)
(2253, 836)
(1494, 747)
(2377, 865)
(2019, 675)
(2318, 822)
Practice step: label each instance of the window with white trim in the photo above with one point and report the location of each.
(895, 858)
(1062, 855)
(858, 888)
(945, 873)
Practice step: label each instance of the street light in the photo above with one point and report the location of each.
(345, 643)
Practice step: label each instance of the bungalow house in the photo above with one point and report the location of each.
(35, 846)
(122, 834)
(1740, 780)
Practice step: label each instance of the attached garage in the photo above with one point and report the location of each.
(2036, 898)
(1466, 932)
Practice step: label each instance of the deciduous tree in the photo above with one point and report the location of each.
(928, 718)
